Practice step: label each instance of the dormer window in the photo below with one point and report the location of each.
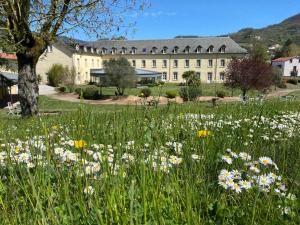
(113, 51)
(187, 49)
(85, 49)
(77, 47)
(104, 51)
(144, 50)
(153, 51)
(98, 50)
(133, 50)
(92, 50)
(124, 50)
(210, 49)
(198, 49)
(175, 50)
(222, 49)
(164, 50)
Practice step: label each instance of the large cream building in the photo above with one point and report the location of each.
(207, 56)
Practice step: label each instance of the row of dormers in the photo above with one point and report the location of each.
(153, 50)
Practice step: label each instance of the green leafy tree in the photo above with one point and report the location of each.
(55, 74)
(120, 74)
(289, 49)
(259, 51)
(31, 25)
(191, 78)
(277, 77)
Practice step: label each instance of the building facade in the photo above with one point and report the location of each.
(207, 56)
(289, 66)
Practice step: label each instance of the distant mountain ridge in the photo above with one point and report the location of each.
(270, 35)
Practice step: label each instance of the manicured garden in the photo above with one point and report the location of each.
(175, 164)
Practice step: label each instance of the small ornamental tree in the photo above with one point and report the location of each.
(191, 78)
(248, 74)
(120, 74)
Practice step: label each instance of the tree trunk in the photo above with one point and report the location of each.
(28, 85)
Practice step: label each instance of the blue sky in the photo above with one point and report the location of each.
(169, 18)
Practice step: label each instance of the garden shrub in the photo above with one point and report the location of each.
(91, 93)
(221, 94)
(55, 75)
(62, 89)
(79, 90)
(282, 85)
(171, 93)
(146, 92)
(292, 81)
(190, 93)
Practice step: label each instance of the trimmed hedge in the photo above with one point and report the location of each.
(91, 93)
(171, 93)
(190, 93)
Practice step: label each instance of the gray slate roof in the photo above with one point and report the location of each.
(146, 46)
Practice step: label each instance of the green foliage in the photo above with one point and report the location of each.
(58, 74)
(220, 94)
(171, 93)
(292, 81)
(120, 74)
(259, 51)
(145, 92)
(55, 75)
(190, 93)
(91, 93)
(191, 78)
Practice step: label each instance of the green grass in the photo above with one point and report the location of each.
(139, 188)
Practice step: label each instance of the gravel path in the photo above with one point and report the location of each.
(46, 90)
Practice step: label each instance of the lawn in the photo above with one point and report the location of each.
(175, 164)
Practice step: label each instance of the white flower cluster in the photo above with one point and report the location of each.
(259, 175)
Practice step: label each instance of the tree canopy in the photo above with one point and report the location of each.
(29, 26)
(248, 74)
(120, 74)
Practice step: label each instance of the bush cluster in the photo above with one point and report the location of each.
(171, 93)
(221, 94)
(145, 92)
(292, 81)
(190, 93)
(91, 93)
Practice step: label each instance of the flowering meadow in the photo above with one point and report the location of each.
(192, 164)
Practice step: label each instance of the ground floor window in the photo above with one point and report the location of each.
(222, 76)
(198, 75)
(175, 76)
(164, 76)
(209, 77)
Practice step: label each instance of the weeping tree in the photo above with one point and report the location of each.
(31, 25)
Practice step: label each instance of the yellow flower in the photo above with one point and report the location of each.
(55, 127)
(203, 133)
(17, 150)
(79, 144)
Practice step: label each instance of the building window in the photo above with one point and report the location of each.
(86, 76)
(78, 77)
(175, 65)
(175, 51)
(104, 50)
(153, 51)
(144, 50)
(222, 76)
(165, 49)
(143, 63)
(210, 49)
(113, 51)
(164, 63)
(133, 63)
(175, 76)
(198, 75)
(198, 63)
(198, 49)
(164, 76)
(133, 51)
(85, 63)
(187, 49)
(210, 63)
(85, 49)
(187, 63)
(209, 77)
(222, 49)
(222, 62)
(124, 51)
(154, 63)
